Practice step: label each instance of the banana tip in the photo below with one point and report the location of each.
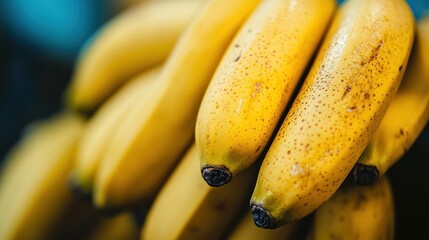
(365, 174)
(216, 176)
(261, 217)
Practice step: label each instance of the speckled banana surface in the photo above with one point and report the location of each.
(405, 118)
(357, 213)
(153, 137)
(187, 208)
(139, 38)
(340, 105)
(254, 82)
(101, 127)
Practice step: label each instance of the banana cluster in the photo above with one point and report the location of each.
(221, 119)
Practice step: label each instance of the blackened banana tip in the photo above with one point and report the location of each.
(261, 217)
(216, 176)
(365, 174)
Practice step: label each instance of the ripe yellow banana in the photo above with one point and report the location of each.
(405, 118)
(254, 82)
(120, 227)
(100, 128)
(133, 41)
(187, 208)
(152, 138)
(340, 105)
(246, 230)
(357, 213)
(33, 185)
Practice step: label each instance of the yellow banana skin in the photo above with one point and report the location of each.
(405, 118)
(357, 213)
(153, 137)
(254, 82)
(33, 185)
(341, 103)
(246, 230)
(100, 128)
(187, 208)
(137, 39)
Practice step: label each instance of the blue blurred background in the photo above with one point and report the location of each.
(39, 44)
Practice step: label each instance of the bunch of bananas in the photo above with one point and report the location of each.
(181, 114)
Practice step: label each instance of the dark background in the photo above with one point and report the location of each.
(40, 41)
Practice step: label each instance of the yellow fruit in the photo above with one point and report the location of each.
(186, 208)
(340, 105)
(100, 129)
(405, 118)
(34, 195)
(254, 82)
(153, 137)
(357, 213)
(133, 41)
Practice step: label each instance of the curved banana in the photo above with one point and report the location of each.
(405, 118)
(255, 80)
(187, 208)
(357, 213)
(138, 38)
(246, 230)
(100, 128)
(33, 185)
(340, 105)
(150, 141)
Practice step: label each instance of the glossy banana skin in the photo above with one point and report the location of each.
(405, 118)
(255, 80)
(344, 97)
(187, 208)
(154, 136)
(356, 212)
(137, 39)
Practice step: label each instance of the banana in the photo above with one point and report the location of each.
(136, 39)
(246, 230)
(254, 82)
(120, 227)
(100, 128)
(33, 184)
(187, 208)
(405, 118)
(340, 105)
(153, 137)
(357, 212)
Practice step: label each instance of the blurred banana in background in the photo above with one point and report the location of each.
(140, 37)
(99, 130)
(246, 229)
(120, 227)
(33, 187)
(356, 212)
(405, 118)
